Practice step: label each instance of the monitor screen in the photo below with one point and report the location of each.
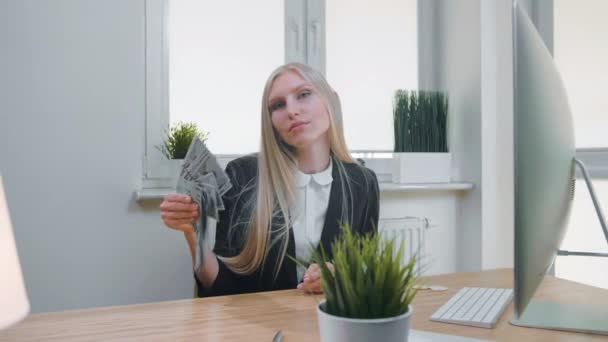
(544, 158)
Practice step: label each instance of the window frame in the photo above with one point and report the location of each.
(594, 158)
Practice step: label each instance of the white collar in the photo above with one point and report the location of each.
(322, 178)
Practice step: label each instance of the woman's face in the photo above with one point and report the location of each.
(297, 111)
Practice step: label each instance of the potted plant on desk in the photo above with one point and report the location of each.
(368, 292)
(421, 144)
(177, 142)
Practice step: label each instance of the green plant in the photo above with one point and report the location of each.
(176, 143)
(369, 279)
(420, 121)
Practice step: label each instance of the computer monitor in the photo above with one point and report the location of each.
(544, 182)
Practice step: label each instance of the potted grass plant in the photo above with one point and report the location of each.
(176, 144)
(421, 143)
(368, 291)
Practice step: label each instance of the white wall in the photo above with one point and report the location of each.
(468, 54)
(458, 73)
(71, 142)
(497, 134)
(497, 122)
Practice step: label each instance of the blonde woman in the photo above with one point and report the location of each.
(294, 193)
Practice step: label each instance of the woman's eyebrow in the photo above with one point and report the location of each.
(303, 85)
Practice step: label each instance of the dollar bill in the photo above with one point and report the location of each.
(203, 179)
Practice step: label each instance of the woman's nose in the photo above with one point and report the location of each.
(293, 110)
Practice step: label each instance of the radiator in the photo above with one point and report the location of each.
(412, 232)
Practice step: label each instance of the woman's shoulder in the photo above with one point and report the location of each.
(248, 161)
(243, 169)
(359, 174)
(356, 168)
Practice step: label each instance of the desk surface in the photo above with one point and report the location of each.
(256, 317)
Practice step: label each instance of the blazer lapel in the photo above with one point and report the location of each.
(288, 264)
(291, 266)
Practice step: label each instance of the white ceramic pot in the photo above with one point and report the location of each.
(414, 167)
(174, 167)
(339, 329)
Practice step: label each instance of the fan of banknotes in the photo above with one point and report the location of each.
(205, 182)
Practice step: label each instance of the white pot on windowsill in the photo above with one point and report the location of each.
(340, 329)
(421, 167)
(174, 167)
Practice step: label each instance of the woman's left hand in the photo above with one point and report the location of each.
(312, 279)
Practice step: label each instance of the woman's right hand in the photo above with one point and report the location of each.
(179, 212)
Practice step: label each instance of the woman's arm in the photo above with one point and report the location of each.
(213, 276)
(190, 237)
(180, 213)
(206, 273)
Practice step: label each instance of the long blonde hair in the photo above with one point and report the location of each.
(276, 189)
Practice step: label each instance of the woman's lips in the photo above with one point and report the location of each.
(297, 126)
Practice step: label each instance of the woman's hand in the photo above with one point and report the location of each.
(312, 279)
(179, 212)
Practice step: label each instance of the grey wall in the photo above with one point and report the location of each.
(71, 142)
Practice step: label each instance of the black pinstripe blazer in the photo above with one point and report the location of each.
(361, 212)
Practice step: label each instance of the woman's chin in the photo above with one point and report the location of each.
(303, 144)
(305, 140)
(299, 143)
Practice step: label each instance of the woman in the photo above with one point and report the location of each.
(290, 196)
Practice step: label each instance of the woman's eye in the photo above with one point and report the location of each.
(276, 106)
(305, 94)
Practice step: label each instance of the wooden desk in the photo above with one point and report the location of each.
(256, 317)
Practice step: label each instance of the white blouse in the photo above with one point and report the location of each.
(311, 206)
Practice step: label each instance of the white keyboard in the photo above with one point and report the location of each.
(475, 306)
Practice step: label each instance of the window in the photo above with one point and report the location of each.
(371, 52)
(581, 56)
(207, 62)
(220, 54)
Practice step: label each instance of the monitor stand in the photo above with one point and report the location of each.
(569, 317)
(598, 211)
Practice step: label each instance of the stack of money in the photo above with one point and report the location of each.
(205, 182)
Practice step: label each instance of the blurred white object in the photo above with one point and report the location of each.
(418, 167)
(14, 305)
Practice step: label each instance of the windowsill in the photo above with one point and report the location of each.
(154, 194)
(415, 187)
